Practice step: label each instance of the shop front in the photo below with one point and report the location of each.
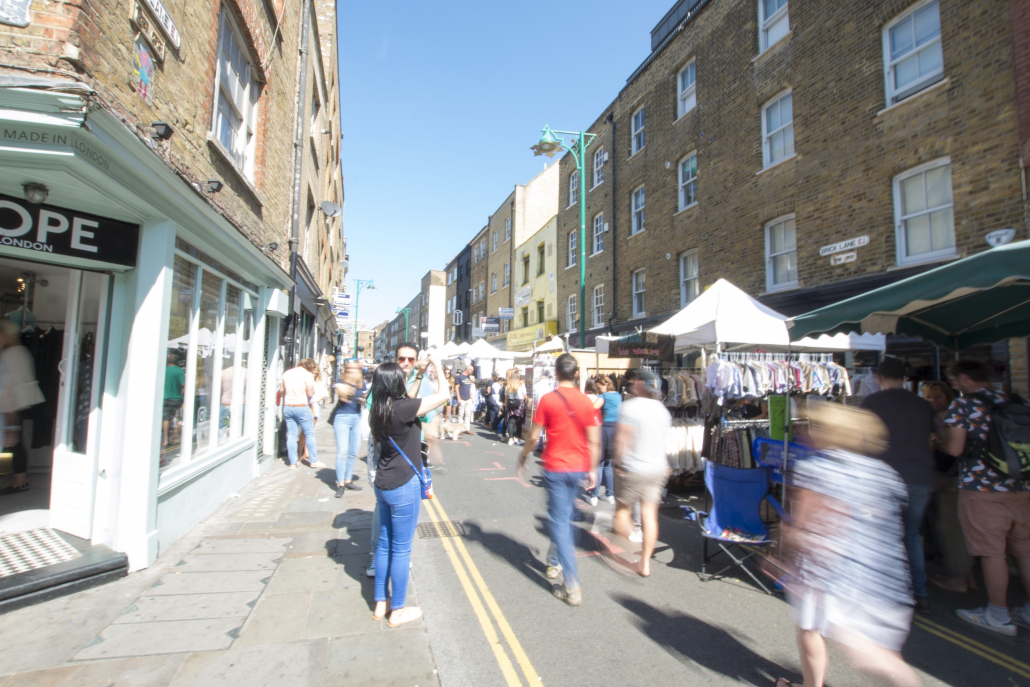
(523, 339)
(151, 321)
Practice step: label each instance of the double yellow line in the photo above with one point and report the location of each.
(982, 650)
(476, 587)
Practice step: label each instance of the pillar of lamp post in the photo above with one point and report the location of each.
(549, 144)
(407, 312)
(361, 284)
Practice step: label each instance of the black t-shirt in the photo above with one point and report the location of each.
(909, 421)
(464, 384)
(406, 430)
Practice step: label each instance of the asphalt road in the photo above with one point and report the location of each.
(493, 621)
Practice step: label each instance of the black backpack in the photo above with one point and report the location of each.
(1007, 448)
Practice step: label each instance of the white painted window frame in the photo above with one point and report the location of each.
(770, 275)
(683, 184)
(637, 138)
(686, 99)
(767, 160)
(638, 223)
(689, 291)
(899, 219)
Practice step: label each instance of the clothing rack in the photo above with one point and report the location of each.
(764, 422)
(745, 356)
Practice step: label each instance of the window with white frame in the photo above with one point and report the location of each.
(571, 314)
(639, 309)
(687, 88)
(774, 23)
(573, 188)
(475, 254)
(494, 250)
(912, 56)
(599, 305)
(449, 280)
(689, 283)
(572, 248)
(493, 283)
(598, 233)
(507, 229)
(781, 254)
(688, 181)
(236, 97)
(778, 129)
(924, 212)
(637, 141)
(507, 273)
(637, 206)
(482, 247)
(598, 166)
(449, 306)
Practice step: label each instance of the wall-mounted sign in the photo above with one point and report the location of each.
(644, 345)
(850, 244)
(523, 338)
(506, 313)
(164, 20)
(1000, 237)
(842, 258)
(491, 325)
(48, 229)
(523, 296)
(148, 30)
(142, 76)
(15, 12)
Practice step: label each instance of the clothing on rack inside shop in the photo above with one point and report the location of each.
(740, 375)
(684, 444)
(682, 388)
(46, 344)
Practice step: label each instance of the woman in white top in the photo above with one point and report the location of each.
(297, 387)
(318, 397)
(514, 406)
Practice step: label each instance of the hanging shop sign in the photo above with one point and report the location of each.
(49, 229)
(342, 300)
(843, 258)
(506, 313)
(844, 245)
(523, 296)
(490, 325)
(645, 345)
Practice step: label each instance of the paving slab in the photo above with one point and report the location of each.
(237, 545)
(149, 609)
(311, 544)
(305, 575)
(146, 671)
(340, 612)
(280, 665)
(228, 562)
(210, 582)
(350, 541)
(395, 658)
(167, 637)
(291, 523)
(276, 618)
(313, 504)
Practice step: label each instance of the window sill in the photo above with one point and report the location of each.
(638, 233)
(929, 89)
(596, 253)
(220, 150)
(195, 468)
(573, 204)
(772, 47)
(595, 186)
(929, 261)
(635, 154)
(684, 115)
(777, 163)
(639, 316)
(780, 289)
(568, 267)
(689, 207)
(595, 327)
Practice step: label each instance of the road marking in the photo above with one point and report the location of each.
(499, 479)
(507, 669)
(532, 677)
(975, 647)
(493, 469)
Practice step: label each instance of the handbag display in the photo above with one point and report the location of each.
(426, 480)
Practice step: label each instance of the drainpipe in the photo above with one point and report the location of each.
(298, 166)
(615, 250)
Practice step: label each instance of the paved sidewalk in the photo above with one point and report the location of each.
(269, 590)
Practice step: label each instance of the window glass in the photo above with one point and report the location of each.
(775, 22)
(598, 166)
(926, 221)
(205, 359)
(572, 248)
(638, 210)
(687, 91)
(638, 293)
(184, 291)
(570, 311)
(599, 233)
(638, 130)
(574, 188)
(779, 129)
(540, 260)
(914, 51)
(688, 278)
(688, 181)
(230, 344)
(782, 244)
(598, 306)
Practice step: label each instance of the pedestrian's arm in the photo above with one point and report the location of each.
(594, 439)
(599, 403)
(624, 434)
(534, 437)
(955, 441)
(443, 392)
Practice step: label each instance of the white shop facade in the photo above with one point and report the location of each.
(153, 322)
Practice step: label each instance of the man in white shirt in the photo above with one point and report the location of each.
(297, 387)
(641, 465)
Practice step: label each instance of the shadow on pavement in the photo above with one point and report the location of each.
(521, 557)
(692, 640)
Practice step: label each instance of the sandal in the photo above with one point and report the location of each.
(408, 614)
(24, 486)
(385, 613)
(784, 682)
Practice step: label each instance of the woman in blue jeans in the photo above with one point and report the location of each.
(393, 421)
(346, 421)
(610, 415)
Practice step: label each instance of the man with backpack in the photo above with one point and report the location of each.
(985, 430)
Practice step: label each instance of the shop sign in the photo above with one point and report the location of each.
(527, 335)
(646, 345)
(843, 258)
(342, 300)
(15, 12)
(477, 333)
(506, 313)
(491, 325)
(844, 245)
(49, 229)
(1000, 237)
(523, 296)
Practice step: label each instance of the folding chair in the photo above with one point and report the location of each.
(736, 504)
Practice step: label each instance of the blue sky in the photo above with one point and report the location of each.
(440, 103)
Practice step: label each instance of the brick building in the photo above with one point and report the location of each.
(479, 275)
(146, 146)
(745, 143)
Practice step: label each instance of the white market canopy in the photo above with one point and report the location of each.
(449, 350)
(481, 350)
(842, 342)
(555, 344)
(462, 348)
(724, 314)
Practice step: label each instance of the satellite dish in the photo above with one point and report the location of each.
(331, 209)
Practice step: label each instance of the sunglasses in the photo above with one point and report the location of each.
(402, 359)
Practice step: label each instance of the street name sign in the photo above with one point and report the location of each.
(842, 258)
(844, 246)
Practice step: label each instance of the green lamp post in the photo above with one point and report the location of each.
(407, 312)
(548, 145)
(361, 284)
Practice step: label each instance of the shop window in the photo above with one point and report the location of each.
(637, 140)
(778, 129)
(599, 305)
(923, 209)
(639, 290)
(687, 88)
(774, 22)
(912, 51)
(689, 283)
(781, 254)
(598, 233)
(184, 289)
(598, 166)
(688, 181)
(236, 97)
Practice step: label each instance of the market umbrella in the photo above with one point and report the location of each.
(981, 299)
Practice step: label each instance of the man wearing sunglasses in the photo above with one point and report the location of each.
(465, 384)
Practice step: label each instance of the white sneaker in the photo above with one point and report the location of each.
(552, 571)
(370, 571)
(981, 617)
(637, 535)
(610, 499)
(593, 500)
(1019, 617)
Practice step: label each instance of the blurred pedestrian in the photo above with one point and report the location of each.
(909, 421)
(395, 424)
(297, 387)
(18, 392)
(317, 398)
(844, 553)
(346, 422)
(612, 403)
(515, 406)
(465, 382)
(994, 508)
(570, 455)
(641, 466)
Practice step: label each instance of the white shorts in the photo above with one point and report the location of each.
(883, 624)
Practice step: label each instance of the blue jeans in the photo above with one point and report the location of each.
(299, 417)
(398, 515)
(347, 427)
(562, 488)
(912, 518)
(604, 469)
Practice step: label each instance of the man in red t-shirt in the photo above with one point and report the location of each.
(571, 455)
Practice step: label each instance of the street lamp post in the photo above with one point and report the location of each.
(548, 145)
(407, 312)
(361, 284)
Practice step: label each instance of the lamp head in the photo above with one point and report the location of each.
(548, 144)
